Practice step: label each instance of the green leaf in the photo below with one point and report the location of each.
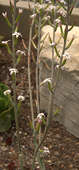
(18, 17)
(38, 127)
(50, 23)
(61, 29)
(62, 5)
(34, 45)
(5, 124)
(5, 112)
(64, 62)
(50, 39)
(70, 28)
(18, 59)
(70, 43)
(44, 37)
(57, 53)
(31, 125)
(9, 50)
(11, 7)
(56, 112)
(8, 22)
(41, 48)
(1, 37)
(50, 88)
(3, 87)
(65, 34)
(6, 109)
(72, 6)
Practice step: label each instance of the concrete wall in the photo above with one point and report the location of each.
(66, 99)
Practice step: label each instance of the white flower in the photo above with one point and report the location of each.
(52, 8)
(47, 17)
(62, 13)
(46, 150)
(58, 21)
(21, 98)
(48, 1)
(20, 52)
(52, 44)
(57, 66)
(17, 34)
(20, 10)
(62, 1)
(67, 56)
(6, 92)
(13, 70)
(4, 14)
(62, 67)
(5, 42)
(48, 80)
(40, 116)
(33, 16)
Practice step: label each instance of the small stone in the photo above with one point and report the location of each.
(57, 136)
(56, 153)
(70, 166)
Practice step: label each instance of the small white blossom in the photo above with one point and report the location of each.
(52, 8)
(5, 42)
(47, 18)
(62, 67)
(13, 70)
(4, 14)
(58, 21)
(62, 13)
(40, 6)
(17, 34)
(7, 92)
(67, 56)
(48, 1)
(46, 150)
(48, 80)
(62, 1)
(57, 66)
(52, 44)
(20, 10)
(40, 116)
(21, 98)
(20, 52)
(33, 16)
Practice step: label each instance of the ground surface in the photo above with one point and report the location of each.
(63, 147)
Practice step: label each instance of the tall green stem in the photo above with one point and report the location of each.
(14, 80)
(29, 74)
(37, 66)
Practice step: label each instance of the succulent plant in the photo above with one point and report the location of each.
(6, 109)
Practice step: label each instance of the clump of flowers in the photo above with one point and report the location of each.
(40, 117)
(33, 16)
(21, 98)
(45, 150)
(48, 80)
(66, 55)
(4, 14)
(17, 34)
(5, 42)
(7, 92)
(20, 52)
(13, 71)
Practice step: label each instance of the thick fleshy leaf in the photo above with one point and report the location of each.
(5, 124)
